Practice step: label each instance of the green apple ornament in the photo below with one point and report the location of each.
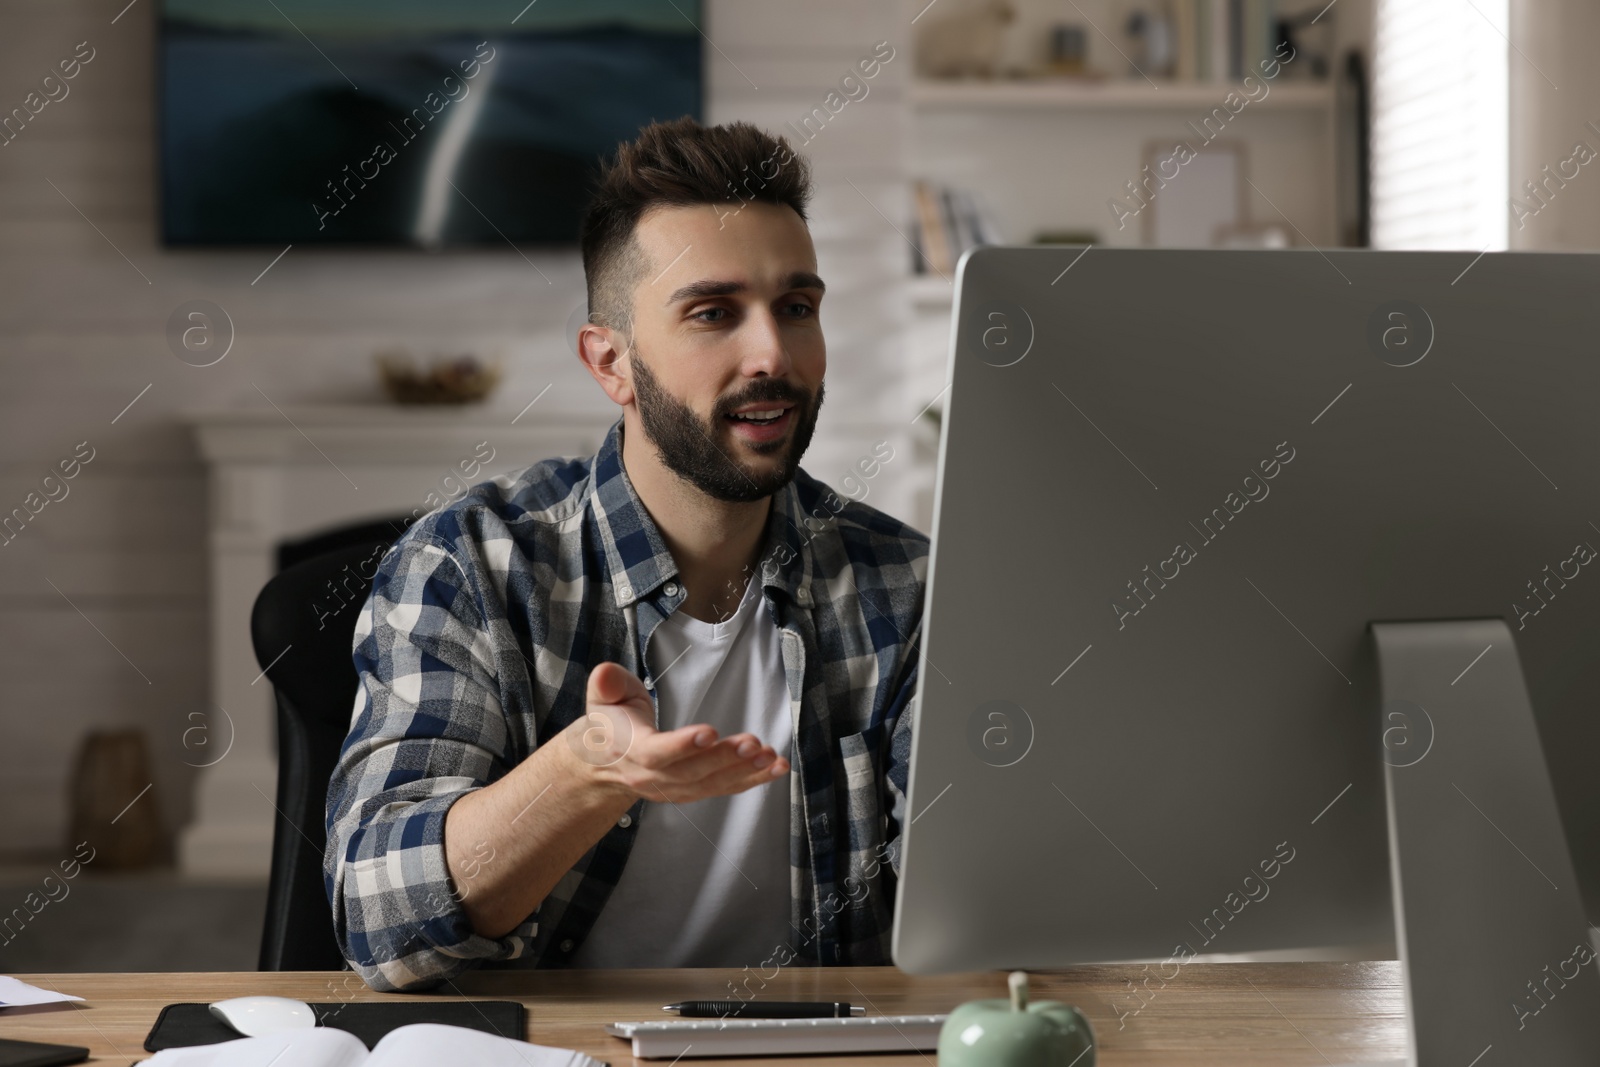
(1015, 1033)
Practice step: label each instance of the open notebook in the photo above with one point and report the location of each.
(417, 1045)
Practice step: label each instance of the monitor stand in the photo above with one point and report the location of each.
(1493, 941)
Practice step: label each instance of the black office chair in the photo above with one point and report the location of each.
(386, 531)
(310, 609)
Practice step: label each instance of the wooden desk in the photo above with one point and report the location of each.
(1239, 1015)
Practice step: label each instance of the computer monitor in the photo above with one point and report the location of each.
(1176, 490)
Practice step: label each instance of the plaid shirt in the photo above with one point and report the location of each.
(475, 645)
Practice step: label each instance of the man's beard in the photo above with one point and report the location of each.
(689, 446)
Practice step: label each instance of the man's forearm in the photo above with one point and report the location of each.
(509, 843)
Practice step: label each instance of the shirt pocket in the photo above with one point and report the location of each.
(859, 756)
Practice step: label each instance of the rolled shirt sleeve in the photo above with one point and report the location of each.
(427, 728)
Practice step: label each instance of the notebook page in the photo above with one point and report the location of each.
(432, 1044)
(321, 1047)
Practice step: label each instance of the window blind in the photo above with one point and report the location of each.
(1440, 133)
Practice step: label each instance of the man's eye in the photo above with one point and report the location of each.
(709, 311)
(805, 309)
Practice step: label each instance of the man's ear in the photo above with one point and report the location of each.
(604, 352)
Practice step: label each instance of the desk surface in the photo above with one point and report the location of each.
(1241, 1015)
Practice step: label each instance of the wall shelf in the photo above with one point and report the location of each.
(1113, 94)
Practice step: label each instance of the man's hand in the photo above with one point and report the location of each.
(538, 820)
(618, 747)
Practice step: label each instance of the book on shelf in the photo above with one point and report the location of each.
(1227, 40)
(958, 217)
(949, 220)
(988, 229)
(1186, 32)
(1236, 60)
(931, 241)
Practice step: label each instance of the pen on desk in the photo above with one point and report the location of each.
(772, 1009)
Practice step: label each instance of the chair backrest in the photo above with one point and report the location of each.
(302, 627)
(363, 533)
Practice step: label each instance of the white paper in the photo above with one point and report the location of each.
(420, 1044)
(429, 1044)
(15, 993)
(321, 1047)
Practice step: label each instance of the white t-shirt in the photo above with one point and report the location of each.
(706, 884)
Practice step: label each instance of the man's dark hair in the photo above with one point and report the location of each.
(676, 163)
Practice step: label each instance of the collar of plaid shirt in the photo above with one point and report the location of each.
(845, 585)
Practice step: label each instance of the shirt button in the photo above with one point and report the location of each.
(803, 594)
(566, 946)
(671, 589)
(625, 822)
(625, 589)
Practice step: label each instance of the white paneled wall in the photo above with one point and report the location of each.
(103, 595)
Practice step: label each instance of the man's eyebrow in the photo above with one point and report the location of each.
(800, 279)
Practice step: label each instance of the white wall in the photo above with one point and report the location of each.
(1555, 93)
(82, 332)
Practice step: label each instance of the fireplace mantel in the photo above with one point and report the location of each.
(281, 474)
